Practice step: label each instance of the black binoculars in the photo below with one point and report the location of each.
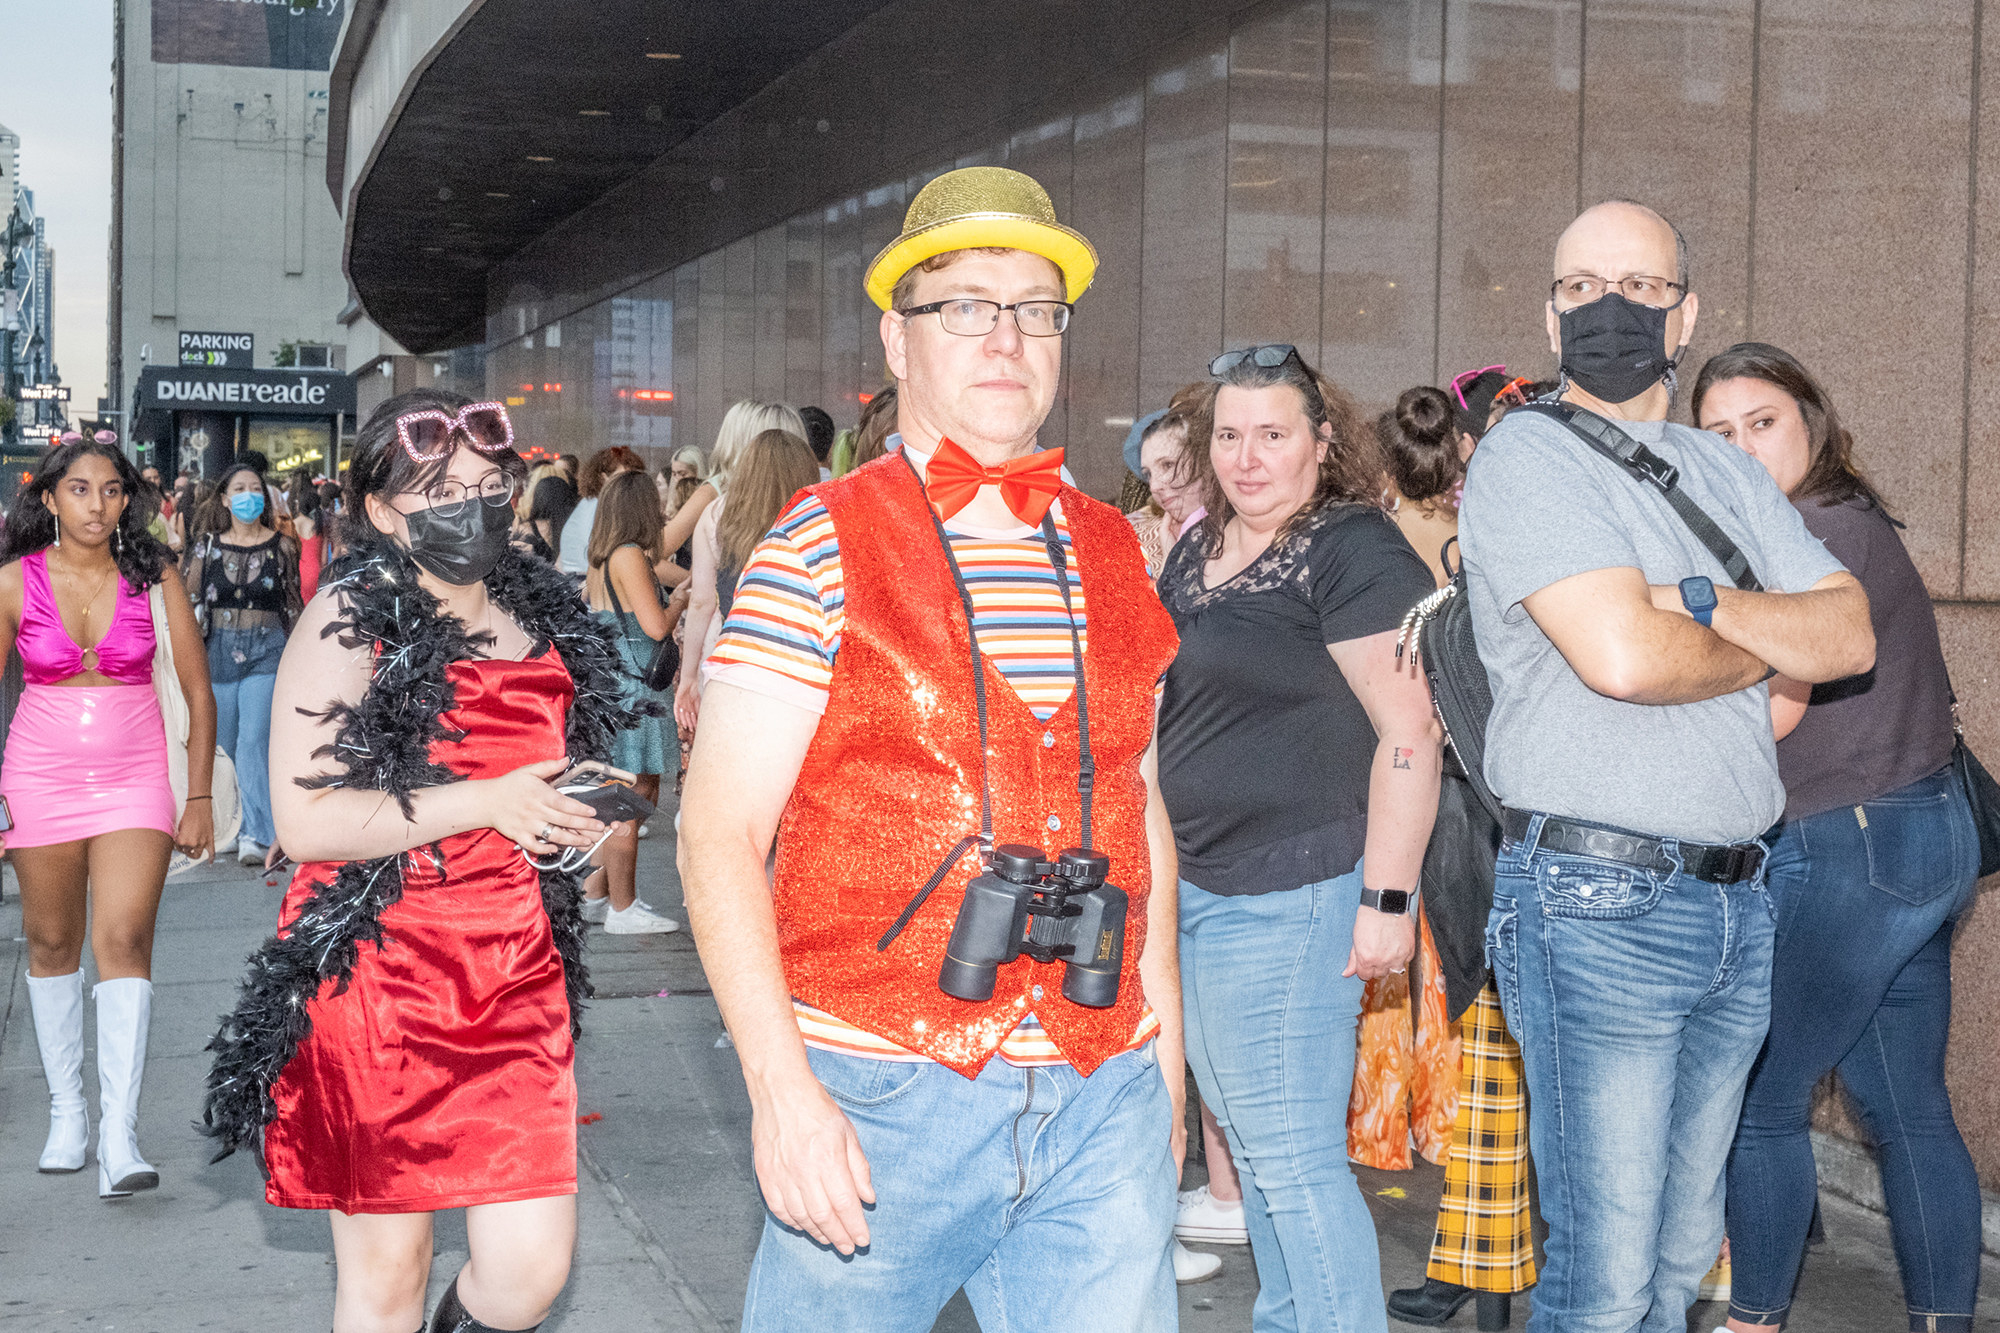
(1046, 910)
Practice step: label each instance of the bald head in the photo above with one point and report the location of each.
(1618, 239)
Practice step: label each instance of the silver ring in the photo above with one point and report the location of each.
(1397, 971)
(546, 830)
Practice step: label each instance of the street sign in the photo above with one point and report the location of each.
(233, 351)
(45, 393)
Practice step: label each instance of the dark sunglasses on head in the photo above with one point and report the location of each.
(426, 435)
(1269, 356)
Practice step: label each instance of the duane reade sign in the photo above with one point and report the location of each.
(234, 351)
(294, 393)
(301, 392)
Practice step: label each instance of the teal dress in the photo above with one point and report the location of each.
(644, 748)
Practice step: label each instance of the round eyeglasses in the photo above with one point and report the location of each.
(448, 498)
(970, 317)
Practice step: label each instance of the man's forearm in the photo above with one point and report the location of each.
(1813, 636)
(736, 931)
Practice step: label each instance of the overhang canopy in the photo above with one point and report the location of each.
(527, 113)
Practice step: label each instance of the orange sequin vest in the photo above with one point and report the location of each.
(891, 781)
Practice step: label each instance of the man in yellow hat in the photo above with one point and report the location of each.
(935, 690)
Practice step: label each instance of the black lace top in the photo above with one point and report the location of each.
(243, 587)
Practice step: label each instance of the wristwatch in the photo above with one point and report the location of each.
(1394, 902)
(1698, 596)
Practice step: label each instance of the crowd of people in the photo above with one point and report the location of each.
(975, 765)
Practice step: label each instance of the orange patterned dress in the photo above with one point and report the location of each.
(1406, 1068)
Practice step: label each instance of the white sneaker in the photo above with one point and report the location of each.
(638, 919)
(1194, 1266)
(223, 849)
(595, 909)
(645, 830)
(249, 853)
(1203, 1217)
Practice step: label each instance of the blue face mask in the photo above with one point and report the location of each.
(248, 506)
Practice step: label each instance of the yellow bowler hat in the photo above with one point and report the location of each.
(981, 206)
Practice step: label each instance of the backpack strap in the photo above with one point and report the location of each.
(1648, 467)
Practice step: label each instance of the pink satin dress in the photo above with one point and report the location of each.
(84, 759)
(443, 1076)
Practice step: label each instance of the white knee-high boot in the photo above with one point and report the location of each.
(124, 1012)
(58, 1006)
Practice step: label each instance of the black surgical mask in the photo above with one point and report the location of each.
(1614, 349)
(464, 548)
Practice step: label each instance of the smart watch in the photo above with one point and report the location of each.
(1698, 596)
(1395, 902)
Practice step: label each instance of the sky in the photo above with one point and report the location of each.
(55, 92)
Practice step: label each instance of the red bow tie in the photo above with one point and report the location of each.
(1028, 485)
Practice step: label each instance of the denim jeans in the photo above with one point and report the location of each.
(1048, 1196)
(1270, 1036)
(1640, 999)
(1867, 898)
(242, 669)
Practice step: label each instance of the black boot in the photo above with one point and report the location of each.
(452, 1318)
(1496, 1311)
(1431, 1304)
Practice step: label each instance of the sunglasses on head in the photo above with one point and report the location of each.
(1463, 378)
(1269, 356)
(427, 434)
(1515, 391)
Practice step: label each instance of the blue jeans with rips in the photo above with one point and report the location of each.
(1867, 899)
(1270, 1025)
(1640, 1000)
(1048, 1196)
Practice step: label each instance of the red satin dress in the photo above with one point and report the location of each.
(444, 1075)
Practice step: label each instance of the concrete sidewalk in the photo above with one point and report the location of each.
(669, 1213)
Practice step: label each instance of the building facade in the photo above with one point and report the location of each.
(680, 202)
(28, 375)
(222, 235)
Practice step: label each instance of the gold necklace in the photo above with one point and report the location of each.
(89, 658)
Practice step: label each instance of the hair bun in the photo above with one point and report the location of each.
(1425, 417)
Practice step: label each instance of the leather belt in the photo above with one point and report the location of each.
(1712, 863)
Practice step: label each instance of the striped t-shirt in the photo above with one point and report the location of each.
(783, 631)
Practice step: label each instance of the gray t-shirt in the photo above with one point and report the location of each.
(1540, 506)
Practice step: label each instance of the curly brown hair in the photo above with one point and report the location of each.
(1351, 472)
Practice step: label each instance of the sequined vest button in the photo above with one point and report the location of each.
(891, 781)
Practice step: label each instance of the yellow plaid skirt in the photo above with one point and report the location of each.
(1484, 1237)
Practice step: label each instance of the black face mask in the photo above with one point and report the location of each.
(1614, 349)
(464, 548)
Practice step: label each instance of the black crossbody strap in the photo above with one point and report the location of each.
(1646, 466)
(1086, 769)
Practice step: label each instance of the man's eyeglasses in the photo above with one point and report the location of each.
(449, 498)
(1465, 377)
(970, 317)
(1583, 288)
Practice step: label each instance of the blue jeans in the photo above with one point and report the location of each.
(1867, 897)
(1640, 999)
(1048, 1196)
(1270, 1036)
(243, 716)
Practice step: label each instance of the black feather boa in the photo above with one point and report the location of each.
(383, 744)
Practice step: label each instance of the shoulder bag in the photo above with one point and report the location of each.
(177, 722)
(1439, 628)
(658, 673)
